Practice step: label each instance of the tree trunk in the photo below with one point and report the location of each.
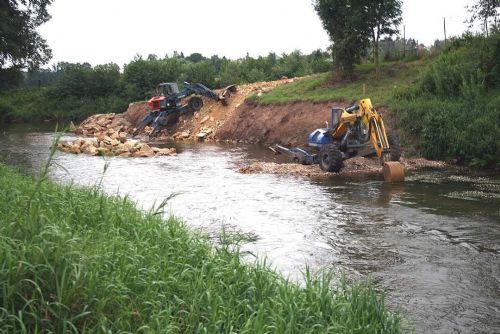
(376, 56)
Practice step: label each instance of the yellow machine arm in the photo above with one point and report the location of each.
(373, 120)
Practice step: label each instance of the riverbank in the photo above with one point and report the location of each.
(76, 259)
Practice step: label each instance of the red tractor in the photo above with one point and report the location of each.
(166, 106)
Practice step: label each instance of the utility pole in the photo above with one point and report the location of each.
(404, 42)
(444, 27)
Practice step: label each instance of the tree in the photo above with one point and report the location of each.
(21, 46)
(485, 11)
(352, 23)
(195, 57)
(348, 25)
(384, 17)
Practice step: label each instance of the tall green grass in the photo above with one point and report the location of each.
(76, 260)
(326, 87)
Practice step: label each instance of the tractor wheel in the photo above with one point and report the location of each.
(394, 146)
(330, 159)
(195, 103)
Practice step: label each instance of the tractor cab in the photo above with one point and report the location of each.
(167, 88)
(163, 91)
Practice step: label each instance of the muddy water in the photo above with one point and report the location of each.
(433, 243)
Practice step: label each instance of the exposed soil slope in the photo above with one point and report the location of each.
(237, 121)
(287, 124)
(209, 119)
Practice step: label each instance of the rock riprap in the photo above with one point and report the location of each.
(118, 146)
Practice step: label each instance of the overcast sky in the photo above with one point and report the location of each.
(103, 31)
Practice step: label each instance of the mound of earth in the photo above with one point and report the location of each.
(206, 122)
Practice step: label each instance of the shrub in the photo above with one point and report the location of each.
(453, 107)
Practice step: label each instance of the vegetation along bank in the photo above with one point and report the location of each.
(76, 260)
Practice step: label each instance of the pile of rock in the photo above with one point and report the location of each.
(103, 124)
(107, 146)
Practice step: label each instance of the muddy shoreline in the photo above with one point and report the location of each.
(357, 166)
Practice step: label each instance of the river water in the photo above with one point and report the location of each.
(432, 243)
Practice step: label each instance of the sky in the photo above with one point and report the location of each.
(104, 31)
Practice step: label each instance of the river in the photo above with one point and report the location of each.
(432, 244)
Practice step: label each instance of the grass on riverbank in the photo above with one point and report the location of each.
(323, 87)
(76, 260)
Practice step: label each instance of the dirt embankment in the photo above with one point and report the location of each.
(237, 121)
(287, 124)
(210, 120)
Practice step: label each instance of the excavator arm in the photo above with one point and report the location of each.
(371, 118)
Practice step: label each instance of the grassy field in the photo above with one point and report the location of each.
(324, 87)
(76, 260)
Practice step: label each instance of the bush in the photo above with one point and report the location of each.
(453, 109)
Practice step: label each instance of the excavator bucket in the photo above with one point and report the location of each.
(393, 171)
(225, 93)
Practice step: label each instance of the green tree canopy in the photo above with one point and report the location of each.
(384, 18)
(351, 25)
(21, 46)
(347, 24)
(485, 11)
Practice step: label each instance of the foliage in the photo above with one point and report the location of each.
(21, 45)
(352, 24)
(74, 91)
(141, 76)
(456, 103)
(201, 71)
(384, 17)
(35, 105)
(75, 260)
(347, 23)
(83, 81)
(486, 11)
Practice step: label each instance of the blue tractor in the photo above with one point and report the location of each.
(350, 130)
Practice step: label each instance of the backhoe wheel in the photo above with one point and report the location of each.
(195, 103)
(330, 159)
(394, 146)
